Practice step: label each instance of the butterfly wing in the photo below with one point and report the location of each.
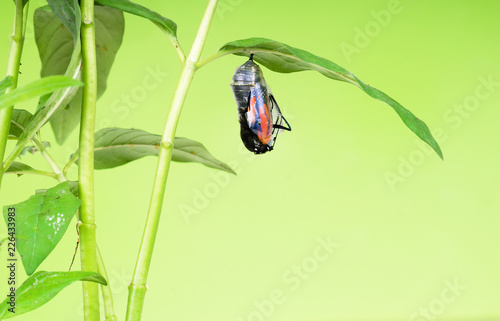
(259, 114)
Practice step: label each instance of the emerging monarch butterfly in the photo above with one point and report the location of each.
(258, 112)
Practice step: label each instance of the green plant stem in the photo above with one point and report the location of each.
(57, 99)
(34, 172)
(55, 168)
(109, 310)
(174, 42)
(88, 245)
(56, 171)
(214, 56)
(137, 288)
(69, 163)
(61, 177)
(13, 62)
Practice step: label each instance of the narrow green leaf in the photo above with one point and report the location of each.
(187, 150)
(41, 222)
(20, 119)
(282, 58)
(167, 25)
(68, 12)
(5, 84)
(119, 146)
(18, 167)
(40, 288)
(55, 45)
(37, 88)
(48, 108)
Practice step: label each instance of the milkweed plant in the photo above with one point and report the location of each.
(75, 66)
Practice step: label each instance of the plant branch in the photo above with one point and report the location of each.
(13, 62)
(56, 100)
(137, 288)
(88, 245)
(34, 172)
(55, 168)
(214, 56)
(109, 310)
(72, 160)
(61, 177)
(174, 42)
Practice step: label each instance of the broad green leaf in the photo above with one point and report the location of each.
(73, 187)
(68, 12)
(20, 119)
(41, 222)
(167, 25)
(5, 84)
(55, 45)
(119, 146)
(54, 41)
(282, 58)
(18, 168)
(41, 287)
(37, 88)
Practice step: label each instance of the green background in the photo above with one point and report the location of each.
(408, 225)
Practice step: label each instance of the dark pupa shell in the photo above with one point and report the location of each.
(244, 80)
(258, 113)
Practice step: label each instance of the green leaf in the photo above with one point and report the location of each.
(167, 25)
(54, 41)
(55, 45)
(59, 99)
(119, 146)
(37, 88)
(187, 150)
(41, 287)
(18, 168)
(5, 84)
(73, 187)
(41, 222)
(68, 12)
(20, 119)
(282, 58)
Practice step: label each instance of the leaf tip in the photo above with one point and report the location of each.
(441, 155)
